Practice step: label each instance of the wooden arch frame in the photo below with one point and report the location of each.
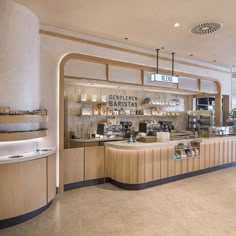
(77, 56)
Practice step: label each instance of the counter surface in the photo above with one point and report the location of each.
(95, 140)
(139, 145)
(25, 157)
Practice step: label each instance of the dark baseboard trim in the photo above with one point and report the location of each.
(84, 183)
(22, 218)
(166, 180)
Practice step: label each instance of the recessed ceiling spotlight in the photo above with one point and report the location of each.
(191, 55)
(126, 38)
(214, 60)
(162, 47)
(177, 24)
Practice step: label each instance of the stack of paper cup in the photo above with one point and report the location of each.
(163, 137)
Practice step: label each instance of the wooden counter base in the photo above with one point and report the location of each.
(154, 183)
(27, 189)
(166, 180)
(22, 218)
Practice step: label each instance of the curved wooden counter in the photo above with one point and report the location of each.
(139, 165)
(28, 186)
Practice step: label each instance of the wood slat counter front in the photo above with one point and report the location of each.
(142, 165)
(139, 165)
(28, 186)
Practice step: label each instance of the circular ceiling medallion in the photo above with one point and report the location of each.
(206, 28)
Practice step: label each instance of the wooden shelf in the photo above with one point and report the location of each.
(16, 136)
(129, 115)
(90, 102)
(13, 119)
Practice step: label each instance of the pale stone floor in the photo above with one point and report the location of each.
(202, 205)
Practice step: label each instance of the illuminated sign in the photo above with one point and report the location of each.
(165, 78)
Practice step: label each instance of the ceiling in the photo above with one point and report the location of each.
(148, 24)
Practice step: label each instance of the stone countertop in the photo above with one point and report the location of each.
(29, 156)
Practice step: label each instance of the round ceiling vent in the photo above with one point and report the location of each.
(206, 28)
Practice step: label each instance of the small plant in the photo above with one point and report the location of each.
(232, 114)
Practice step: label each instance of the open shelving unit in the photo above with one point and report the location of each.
(25, 134)
(182, 150)
(14, 119)
(131, 115)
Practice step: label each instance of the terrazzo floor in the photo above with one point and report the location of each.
(204, 205)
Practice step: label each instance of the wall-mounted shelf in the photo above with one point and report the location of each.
(94, 103)
(25, 135)
(14, 119)
(129, 115)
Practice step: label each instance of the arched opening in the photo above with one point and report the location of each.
(107, 63)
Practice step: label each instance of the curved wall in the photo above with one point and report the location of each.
(19, 61)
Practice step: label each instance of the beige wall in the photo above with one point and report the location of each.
(54, 49)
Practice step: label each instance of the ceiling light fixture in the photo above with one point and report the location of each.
(126, 38)
(191, 55)
(177, 25)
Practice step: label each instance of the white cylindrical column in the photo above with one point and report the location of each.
(19, 61)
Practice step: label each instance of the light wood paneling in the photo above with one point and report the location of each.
(233, 150)
(212, 154)
(73, 165)
(171, 162)
(178, 169)
(217, 153)
(164, 163)
(17, 136)
(51, 168)
(207, 155)
(141, 163)
(190, 164)
(156, 164)
(221, 152)
(229, 151)
(94, 163)
(202, 156)
(148, 166)
(225, 157)
(196, 163)
(134, 167)
(119, 172)
(23, 187)
(226, 104)
(23, 119)
(184, 166)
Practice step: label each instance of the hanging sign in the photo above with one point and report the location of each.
(165, 78)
